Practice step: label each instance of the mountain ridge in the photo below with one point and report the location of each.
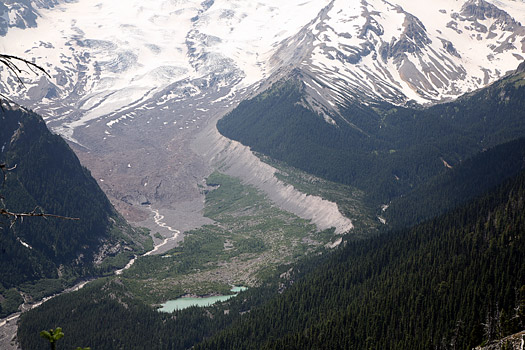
(383, 149)
(374, 67)
(367, 292)
(47, 177)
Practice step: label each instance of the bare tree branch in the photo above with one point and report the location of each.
(20, 216)
(12, 64)
(17, 216)
(9, 62)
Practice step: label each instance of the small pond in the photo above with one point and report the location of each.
(185, 302)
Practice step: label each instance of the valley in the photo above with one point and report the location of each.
(248, 239)
(138, 99)
(301, 149)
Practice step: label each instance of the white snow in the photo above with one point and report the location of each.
(110, 58)
(119, 53)
(444, 74)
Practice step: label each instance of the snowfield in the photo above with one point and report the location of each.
(109, 55)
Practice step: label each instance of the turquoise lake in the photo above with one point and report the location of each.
(183, 303)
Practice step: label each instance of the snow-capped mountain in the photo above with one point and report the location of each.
(108, 56)
(133, 82)
(406, 51)
(19, 14)
(22, 14)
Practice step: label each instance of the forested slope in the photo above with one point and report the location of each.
(48, 178)
(467, 180)
(452, 282)
(105, 315)
(380, 148)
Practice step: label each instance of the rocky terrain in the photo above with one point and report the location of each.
(512, 342)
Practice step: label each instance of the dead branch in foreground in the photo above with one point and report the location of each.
(12, 64)
(16, 216)
(20, 216)
(11, 61)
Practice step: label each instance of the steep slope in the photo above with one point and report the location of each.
(397, 51)
(104, 65)
(23, 14)
(467, 180)
(18, 14)
(383, 149)
(48, 178)
(134, 83)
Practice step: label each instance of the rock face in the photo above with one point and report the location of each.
(23, 14)
(477, 11)
(400, 51)
(405, 53)
(412, 40)
(16, 14)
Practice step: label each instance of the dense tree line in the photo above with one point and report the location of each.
(105, 315)
(467, 180)
(452, 282)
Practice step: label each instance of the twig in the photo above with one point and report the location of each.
(22, 215)
(7, 60)
(16, 216)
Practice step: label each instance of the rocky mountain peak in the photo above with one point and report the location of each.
(481, 10)
(412, 40)
(16, 14)
(521, 67)
(405, 53)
